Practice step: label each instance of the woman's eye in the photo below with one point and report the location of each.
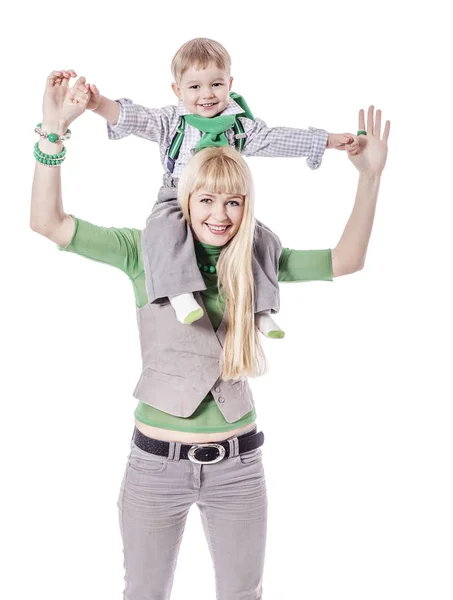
(206, 200)
(233, 203)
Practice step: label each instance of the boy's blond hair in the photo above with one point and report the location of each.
(199, 53)
(223, 171)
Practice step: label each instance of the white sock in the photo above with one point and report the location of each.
(268, 326)
(186, 308)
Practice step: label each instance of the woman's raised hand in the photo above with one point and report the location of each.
(62, 104)
(372, 148)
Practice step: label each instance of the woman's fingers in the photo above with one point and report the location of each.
(361, 120)
(61, 77)
(67, 75)
(377, 126)
(53, 77)
(370, 121)
(385, 136)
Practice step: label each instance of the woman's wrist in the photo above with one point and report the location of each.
(50, 125)
(369, 176)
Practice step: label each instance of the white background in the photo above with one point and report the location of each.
(356, 407)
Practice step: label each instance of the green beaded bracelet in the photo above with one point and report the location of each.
(49, 156)
(48, 161)
(52, 137)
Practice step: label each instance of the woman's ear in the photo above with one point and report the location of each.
(176, 89)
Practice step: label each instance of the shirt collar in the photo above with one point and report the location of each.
(232, 108)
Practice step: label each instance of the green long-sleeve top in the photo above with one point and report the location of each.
(121, 248)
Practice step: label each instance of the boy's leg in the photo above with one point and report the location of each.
(153, 504)
(267, 249)
(268, 326)
(233, 506)
(168, 251)
(186, 308)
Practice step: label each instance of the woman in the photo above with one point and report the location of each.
(195, 439)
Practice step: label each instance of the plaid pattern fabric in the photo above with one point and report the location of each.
(160, 125)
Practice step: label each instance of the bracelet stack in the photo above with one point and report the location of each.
(50, 160)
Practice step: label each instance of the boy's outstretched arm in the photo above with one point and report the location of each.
(262, 140)
(125, 118)
(109, 109)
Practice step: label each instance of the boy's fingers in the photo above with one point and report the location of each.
(93, 89)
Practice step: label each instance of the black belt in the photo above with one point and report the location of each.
(200, 453)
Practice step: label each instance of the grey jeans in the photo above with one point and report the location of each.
(155, 498)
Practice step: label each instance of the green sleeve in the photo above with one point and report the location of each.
(305, 265)
(120, 248)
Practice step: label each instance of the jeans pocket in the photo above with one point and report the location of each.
(251, 457)
(144, 463)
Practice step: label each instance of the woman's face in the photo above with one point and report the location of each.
(215, 218)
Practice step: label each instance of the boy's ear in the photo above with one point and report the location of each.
(231, 83)
(176, 90)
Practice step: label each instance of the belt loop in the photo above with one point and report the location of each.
(174, 451)
(234, 446)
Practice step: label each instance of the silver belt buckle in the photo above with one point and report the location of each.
(195, 447)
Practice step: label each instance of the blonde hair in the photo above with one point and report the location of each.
(199, 53)
(222, 170)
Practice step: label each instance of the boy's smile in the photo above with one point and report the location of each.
(204, 92)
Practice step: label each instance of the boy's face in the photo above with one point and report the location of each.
(204, 92)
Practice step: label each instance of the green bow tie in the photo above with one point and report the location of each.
(213, 128)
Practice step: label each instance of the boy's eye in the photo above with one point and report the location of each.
(194, 87)
(217, 84)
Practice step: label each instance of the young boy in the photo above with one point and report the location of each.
(207, 114)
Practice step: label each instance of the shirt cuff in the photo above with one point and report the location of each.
(318, 146)
(121, 129)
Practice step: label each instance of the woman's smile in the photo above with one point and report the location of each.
(217, 229)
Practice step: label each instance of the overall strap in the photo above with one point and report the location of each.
(240, 135)
(175, 146)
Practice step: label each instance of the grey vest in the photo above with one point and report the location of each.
(181, 364)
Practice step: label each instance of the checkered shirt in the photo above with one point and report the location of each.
(160, 125)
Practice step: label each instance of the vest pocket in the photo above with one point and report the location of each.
(237, 387)
(175, 380)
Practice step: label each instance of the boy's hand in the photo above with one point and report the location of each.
(95, 98)
(344, 141)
